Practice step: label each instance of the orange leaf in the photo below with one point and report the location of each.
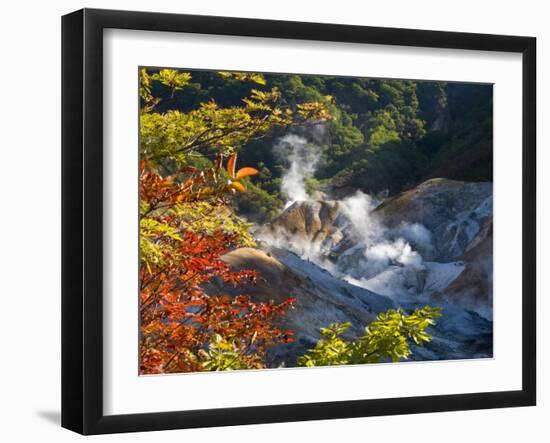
(238, 186)
(231, 165)
(245, 172)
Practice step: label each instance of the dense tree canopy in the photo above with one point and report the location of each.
(383, 135)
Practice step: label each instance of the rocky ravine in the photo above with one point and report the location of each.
(350, 259)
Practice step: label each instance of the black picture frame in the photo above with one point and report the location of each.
(82, 231)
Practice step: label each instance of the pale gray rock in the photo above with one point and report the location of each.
(453, 211)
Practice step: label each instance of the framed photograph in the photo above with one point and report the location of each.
(269, 221)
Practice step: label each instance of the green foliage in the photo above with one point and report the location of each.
(244, 76)
(150, 240)
(382, 135)
(180, 134)
(331, 350)
(176, 134)
(258, 204)
(172, 78)
(223, 355)
(387, 338)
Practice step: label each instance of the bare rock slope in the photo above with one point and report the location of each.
(321, 299)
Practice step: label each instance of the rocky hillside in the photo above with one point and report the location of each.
(321, 298)
(416, 243)
(452, 211)
(350, 259)
(459, 216)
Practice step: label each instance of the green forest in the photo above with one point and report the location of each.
(383, 134)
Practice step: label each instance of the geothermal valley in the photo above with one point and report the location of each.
(349, 258)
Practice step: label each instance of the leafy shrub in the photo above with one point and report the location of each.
(386, 339)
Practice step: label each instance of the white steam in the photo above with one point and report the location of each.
(360, 248)
(364, 225)
(302, 158)
(381, 260)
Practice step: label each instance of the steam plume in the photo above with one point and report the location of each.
(302, 159)
(387, 261)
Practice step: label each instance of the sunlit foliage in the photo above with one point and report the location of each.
(184, 230)
(187, 321)
(386, 339)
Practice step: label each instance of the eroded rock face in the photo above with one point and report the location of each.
(307, 223)
(417, 243)
(453, 211)
(460, 217)
(474, 286)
